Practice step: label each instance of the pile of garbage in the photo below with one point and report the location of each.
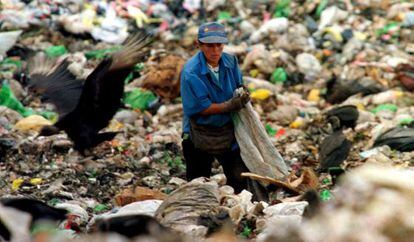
(331, 81)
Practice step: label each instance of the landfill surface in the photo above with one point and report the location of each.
(299, 59)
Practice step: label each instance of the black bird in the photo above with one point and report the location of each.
(338, 90)
(130, 225)
(86, 109)
(333, 150)
(37, 209)
(347, 115)
(398, 138)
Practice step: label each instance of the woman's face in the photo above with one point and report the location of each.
(212, 52)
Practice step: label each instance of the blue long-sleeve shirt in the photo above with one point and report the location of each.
(198, 91)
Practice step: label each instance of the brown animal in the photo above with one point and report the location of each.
(164, 77)
(405, 74)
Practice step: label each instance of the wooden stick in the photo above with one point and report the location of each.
(272, 181)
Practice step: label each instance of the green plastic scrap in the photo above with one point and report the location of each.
(386, 106)
(100, 208)
(129, 78)
(139, 98)
(54, 201)
(391, 27)
(56, 51)
(326, 181)
(270, 131)
(278, 76)
(325, 195)
(322, 5)
(406, 121)
(11, 62)
(44, 227)
(137, 68)
(8, 99)
(223, 15)
(282, 9)
(247, 231)
(100, 54)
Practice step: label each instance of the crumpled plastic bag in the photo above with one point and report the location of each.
(308, 65)
(256, 148)
(8, 39)
(181, 210)
(331, 15)
(261, 58)
(275, 25)
(147, 207)
(286, 208)
(112, 30)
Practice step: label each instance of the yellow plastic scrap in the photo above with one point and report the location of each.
(115, 125)
(398, 94)
(138, 15)
(155, 20)
(297, 123)
(400, 17)
(319, 55)
(314, 95)
(360, 106)
(17, 183)
(260, 94)
(335, 33)
(36, 181)
(33, 122)
(254, 73)
(88, 16)
(360, 35)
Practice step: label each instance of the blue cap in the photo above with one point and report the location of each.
(212, 33)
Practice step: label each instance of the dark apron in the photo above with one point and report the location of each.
(211, 139)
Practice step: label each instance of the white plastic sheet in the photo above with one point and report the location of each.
(257, 151)
(8, 39)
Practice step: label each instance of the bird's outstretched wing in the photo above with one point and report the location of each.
(103, 89)
(55, 83)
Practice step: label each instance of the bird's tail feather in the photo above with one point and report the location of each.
(42, 65)
(132, 51)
